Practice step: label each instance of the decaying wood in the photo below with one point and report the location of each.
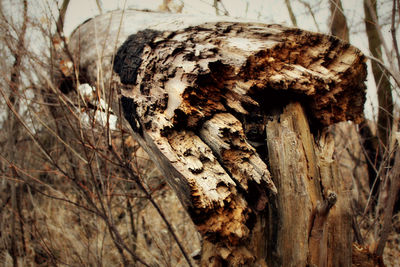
(304, 173)
(362, 257)
(290, 148)
(220, 105)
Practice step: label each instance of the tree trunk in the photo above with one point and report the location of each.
(381, 77)
(234, 115)
(338, 22)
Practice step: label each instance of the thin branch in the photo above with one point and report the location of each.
(393, 31)
(398, 5)
(338, 24)
(155, 205)
(387, 156)
(215, 6)
(11, 107)
(112, 73)
(58, 137)
(308, 6)
(99, 6)
(389, 205)
(226, 13)
(395, 75)
(61, 17)
(291, 14)
(379, 31)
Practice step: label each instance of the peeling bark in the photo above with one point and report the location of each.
(224, 110)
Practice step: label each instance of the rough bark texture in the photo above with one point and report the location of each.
(220, 105)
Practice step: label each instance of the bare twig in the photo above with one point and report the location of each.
(13, 225)
(291, 14)
(99, 6)
(386, 157)
(379, 31)
(13, 103)
(215, 5)
(226, 13)
(155, 205)
(393, 31)
(389, 205)
(61, 17)
(310, 10)
(395, 75)
(338, 24)
(391, 68)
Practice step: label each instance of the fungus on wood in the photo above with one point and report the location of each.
(234, 115)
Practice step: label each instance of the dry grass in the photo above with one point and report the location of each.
(62, 234)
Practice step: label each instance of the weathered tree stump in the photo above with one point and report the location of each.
(234, 114)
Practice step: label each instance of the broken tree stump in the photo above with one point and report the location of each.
(234, 114)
